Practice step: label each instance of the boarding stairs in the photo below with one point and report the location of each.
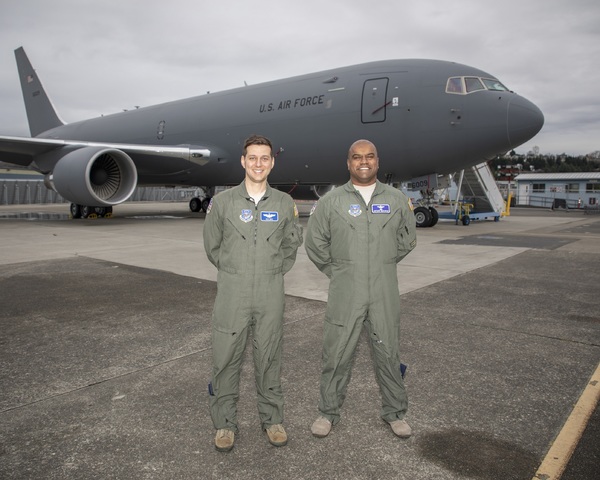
(478, 186)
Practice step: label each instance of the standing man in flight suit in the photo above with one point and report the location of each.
(251, 234)
(356, 235)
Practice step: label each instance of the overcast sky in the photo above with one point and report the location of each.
(100, 57)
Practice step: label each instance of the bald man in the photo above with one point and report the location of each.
(356, 235)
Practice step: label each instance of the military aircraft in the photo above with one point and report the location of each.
(426, 117)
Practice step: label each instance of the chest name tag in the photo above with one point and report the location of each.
(380, 208)
(269, 216)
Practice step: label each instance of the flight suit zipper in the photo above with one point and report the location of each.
(368, 220)
(256, 222)
(255, 255)
(369, 246)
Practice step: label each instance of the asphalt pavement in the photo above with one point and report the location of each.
(105, 354)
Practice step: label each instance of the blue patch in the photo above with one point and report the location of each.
(269, 216)
(380, 208)
(246, 216)
(355, 210)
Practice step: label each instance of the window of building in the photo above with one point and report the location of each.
(572, 188)
(538, 188)
(592, 188)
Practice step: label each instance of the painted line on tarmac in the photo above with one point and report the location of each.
(562, 449)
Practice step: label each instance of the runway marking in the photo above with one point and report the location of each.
(562, 449)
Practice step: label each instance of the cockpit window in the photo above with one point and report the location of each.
(473, 84)
(493, 84)
(455, 85)
(465, 85)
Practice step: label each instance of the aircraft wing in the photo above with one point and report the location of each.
(22, 150)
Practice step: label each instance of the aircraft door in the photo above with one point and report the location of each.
(374, 101)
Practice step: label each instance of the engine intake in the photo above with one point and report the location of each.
(95, 176)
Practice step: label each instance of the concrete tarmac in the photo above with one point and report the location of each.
(105, 353)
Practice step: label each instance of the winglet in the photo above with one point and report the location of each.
(40, 111)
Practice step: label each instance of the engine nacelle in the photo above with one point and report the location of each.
(94, 176)
(305, 192)
(321, 190)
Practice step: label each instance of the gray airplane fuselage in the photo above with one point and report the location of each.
(400, 105)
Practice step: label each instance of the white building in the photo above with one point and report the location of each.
(571, 190)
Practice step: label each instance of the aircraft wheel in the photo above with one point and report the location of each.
(195, 204)
(423, 217)
(85, 211)
(75, 210)
(205, 204)
(100, 211)
(434, 216)
(466, 220)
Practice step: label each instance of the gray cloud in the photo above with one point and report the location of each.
(101, 57)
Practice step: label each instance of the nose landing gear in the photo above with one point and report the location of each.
(426, 216)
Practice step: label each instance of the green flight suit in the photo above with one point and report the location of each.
(358, 246)
(252, 246)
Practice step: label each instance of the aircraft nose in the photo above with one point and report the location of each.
(525, 120)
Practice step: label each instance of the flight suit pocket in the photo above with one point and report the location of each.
(227, 320)
(407, 241)
(388, 241)
(271, 244)
(296, 235)
(233, 254)
(275, 237)
(345, 234)
(341, 293)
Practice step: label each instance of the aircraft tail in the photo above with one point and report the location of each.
(40, 112)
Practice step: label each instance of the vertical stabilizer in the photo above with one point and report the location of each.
(40, 111)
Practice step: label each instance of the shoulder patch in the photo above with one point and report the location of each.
(209, 208)
(410, 204)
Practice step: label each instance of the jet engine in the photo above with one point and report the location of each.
(320, 190)
(94, 176)
(305, 192)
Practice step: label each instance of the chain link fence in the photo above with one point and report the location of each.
(28, 192)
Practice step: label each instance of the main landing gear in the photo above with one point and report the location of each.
(201, 204)
(196, 204)
(84, 211)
